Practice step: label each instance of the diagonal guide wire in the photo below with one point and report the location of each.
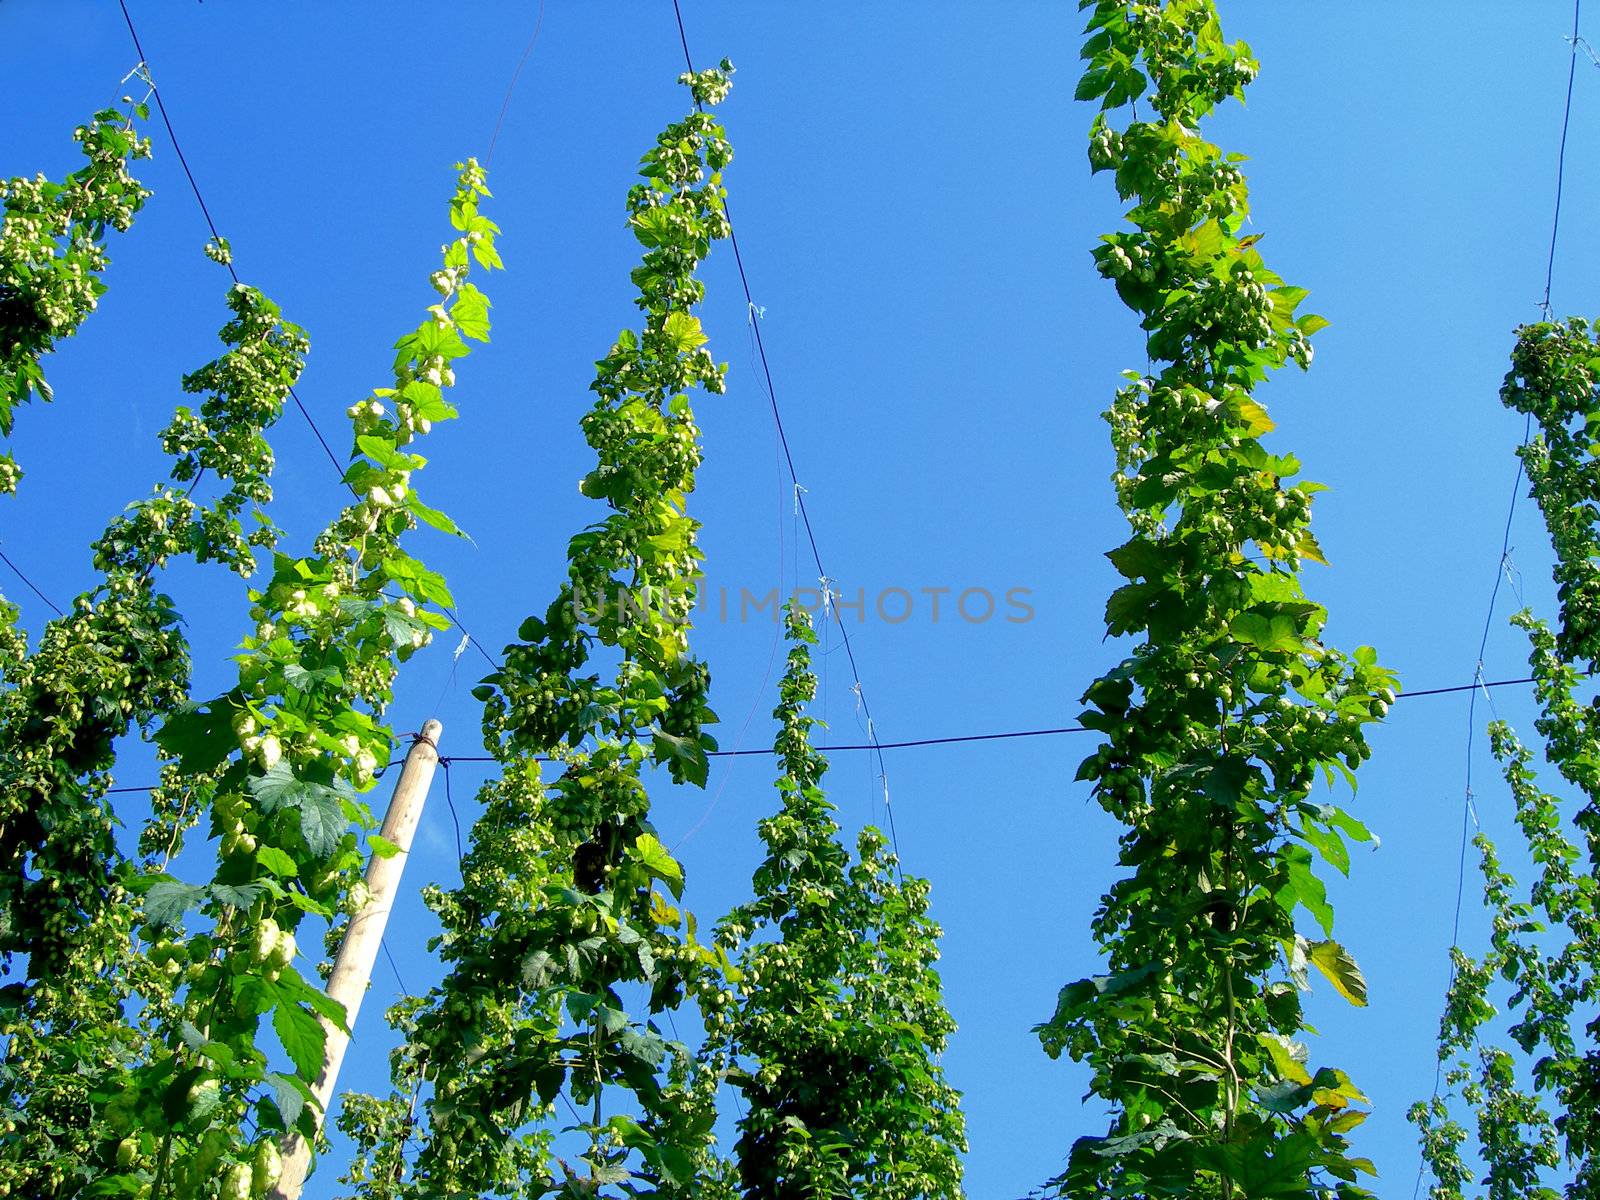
(205, 211)
(1561, 155)
(33, 587)
(505, 105)
(1469, 816)
(393, 966)
(799, 495)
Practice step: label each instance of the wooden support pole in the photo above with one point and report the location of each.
(358, 952)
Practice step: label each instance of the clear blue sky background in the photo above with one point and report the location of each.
(916, 212)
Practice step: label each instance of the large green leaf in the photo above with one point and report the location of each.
(321, 807)
(302, 1035)
(1271, 632)
(290, 1095)
(322, 821)
(470, 312)
(166, 902)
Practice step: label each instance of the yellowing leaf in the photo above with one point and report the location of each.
(1334, 1090)
(1309, 548)
(1206, 240)
(1334, 961)
(684, 330)
(1346, 1121)
(662, 913)
(1288, 1057)
(1254, 417)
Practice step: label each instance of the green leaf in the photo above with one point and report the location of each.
(295, 986)
(236, 895)
(302, 1036)
(1252, 416)
(1286, 299)
(306, 904)
(432, 516)
(1294, 959)
(254, 993)
(277, 788)
(1285, 1096)
(119, 1185)
(1339, 818)
(471, 313)
(201, 738)
(430, 340)
(1328, 844)
(322, 821)
(218, 1052)
(487, 256)
(684, 330)
(1304, 888)
(1334, 1089)
(1275, 632)
(1132, 607)
(382, 451)
(206, 1099)
(539, 970)
(1308, 547)
(1078, 997)
(649, 1048)
(290, 1095)
(381, 846)
(653, 227)
(1207, 240)
(1092, 86)
(685, 756)
(656, 859)
(1288, 1057)
(579, 1004)
(427, 401)
(400, 627)
(276, 861)
(418, 580)
(1140, 558)
(303, 680)
(166, 902)
(1225, 783)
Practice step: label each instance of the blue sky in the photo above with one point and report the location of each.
(914, 204)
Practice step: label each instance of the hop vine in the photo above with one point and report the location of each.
(1230, 705)
(114, 664)
(282, 760)
(568, 902)
(835, 1023)
(1532, 1099)
(53, 255)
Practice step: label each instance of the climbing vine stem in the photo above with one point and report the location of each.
(1532, 1098)
(569, 905)
(1229, 705)
(53, 256)
(837, 1025)
(282, 760)
(116, 663)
